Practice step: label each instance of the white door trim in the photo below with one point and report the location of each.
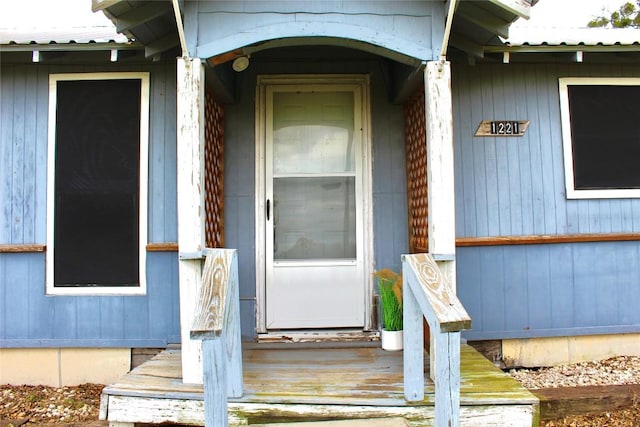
(260, 185)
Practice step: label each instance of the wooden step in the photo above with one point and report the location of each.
(302, 384)
(369, 422)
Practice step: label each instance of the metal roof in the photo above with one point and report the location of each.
(479, 26)
(152, 25)
(80, 35)
(541, 36)
(601, 44)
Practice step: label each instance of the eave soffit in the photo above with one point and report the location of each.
(479, 24)
(151, 23)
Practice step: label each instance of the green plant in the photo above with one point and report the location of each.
(390, 289)
(33, 398)
(73, 403)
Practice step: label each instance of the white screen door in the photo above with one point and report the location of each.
(313, 188)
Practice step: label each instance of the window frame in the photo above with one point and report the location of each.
(567, 143)
(143, 191)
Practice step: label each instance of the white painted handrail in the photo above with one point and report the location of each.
(217, 324)
(426, 293)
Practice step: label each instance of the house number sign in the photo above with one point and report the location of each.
(502, 128)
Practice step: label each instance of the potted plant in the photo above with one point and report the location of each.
(390, 290)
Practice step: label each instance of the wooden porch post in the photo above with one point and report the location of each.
(439, 123)
(191, 217)
(440, 174)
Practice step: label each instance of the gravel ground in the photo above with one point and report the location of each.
(616, 370)
(40, 405)
(625, 418)
(78, 406)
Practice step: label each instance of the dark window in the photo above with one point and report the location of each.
(97, 175)
(605, 136)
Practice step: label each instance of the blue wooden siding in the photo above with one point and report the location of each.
(550, 290)
(28, 318)
(504, 186)
(23, 155)
(163, 220)
(389, 180)
(515, 186)
(412, 27)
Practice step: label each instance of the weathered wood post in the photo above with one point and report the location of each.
(190, 141)
(426, 293)
(217, 324)
(440, 172)
(440, 167)
(413, 343)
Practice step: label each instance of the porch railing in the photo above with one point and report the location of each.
(427, 293)
(217, 324)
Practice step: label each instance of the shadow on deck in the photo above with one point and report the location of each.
(288, 384)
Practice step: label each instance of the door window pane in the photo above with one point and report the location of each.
(313, 133)
(314, 218)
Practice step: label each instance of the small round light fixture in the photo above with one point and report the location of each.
(240, 64)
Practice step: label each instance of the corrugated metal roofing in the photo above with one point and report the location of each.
(540, 36)
(80, 35)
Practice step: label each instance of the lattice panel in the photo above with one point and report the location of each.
(416, 147)
(214, 172)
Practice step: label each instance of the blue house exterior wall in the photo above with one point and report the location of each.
(550, 290)
(515, 186)
(29, 318)
(504, 187)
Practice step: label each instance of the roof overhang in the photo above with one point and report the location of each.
(73, 46)
(151, 23)
(477, 23)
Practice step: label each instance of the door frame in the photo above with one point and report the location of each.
(263, 82)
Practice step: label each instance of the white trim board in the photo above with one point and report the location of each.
(141, 289)
(565, 115)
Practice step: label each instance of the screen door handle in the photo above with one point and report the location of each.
(268, 208)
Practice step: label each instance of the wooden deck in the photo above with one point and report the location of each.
(289, 384)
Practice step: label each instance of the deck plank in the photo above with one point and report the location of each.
(357, 375)
(319, 382)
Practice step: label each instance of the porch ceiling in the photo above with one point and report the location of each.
(477, 23)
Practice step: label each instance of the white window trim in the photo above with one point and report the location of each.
(565, 114)
(141, 289)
